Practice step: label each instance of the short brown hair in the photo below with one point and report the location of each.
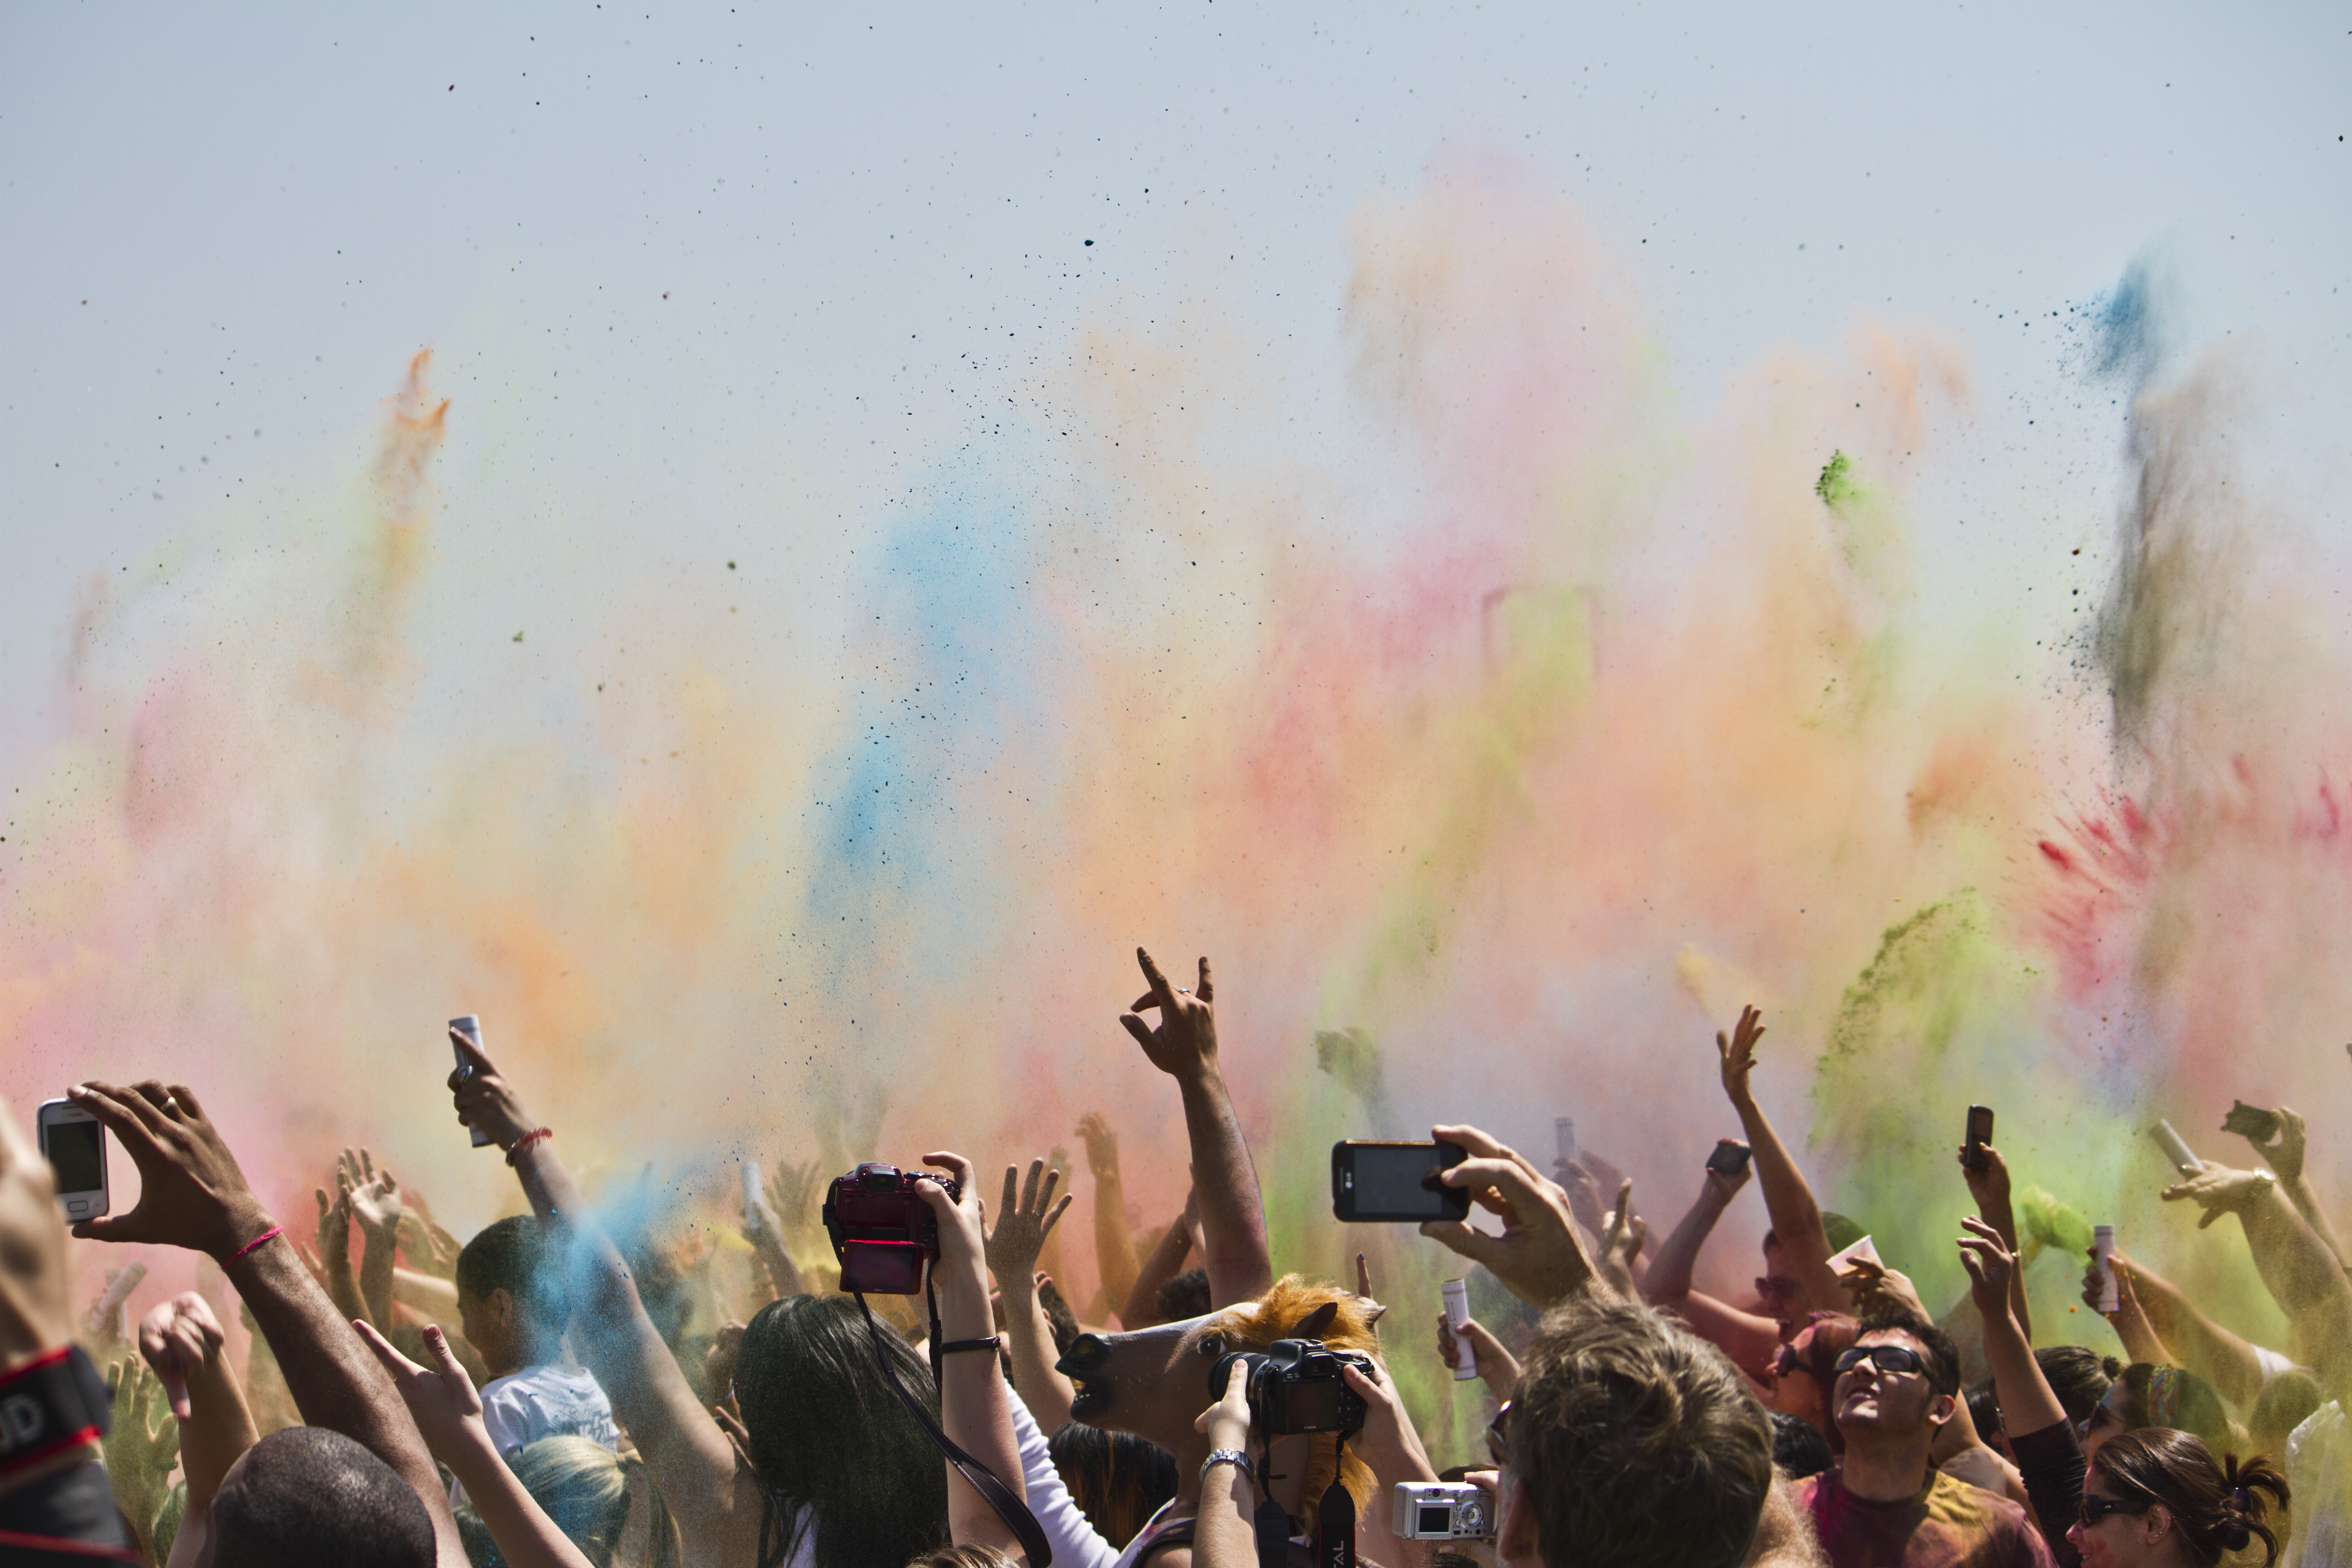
(1639, 1443)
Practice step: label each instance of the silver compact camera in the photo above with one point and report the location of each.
(1440, 1511)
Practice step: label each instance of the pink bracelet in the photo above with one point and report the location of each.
(526, 1141)
(257, 1241)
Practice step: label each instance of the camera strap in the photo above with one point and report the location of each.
(50, 1405)
(1335, 1517)
(993, 1491)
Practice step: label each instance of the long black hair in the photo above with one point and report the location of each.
(833, 1447)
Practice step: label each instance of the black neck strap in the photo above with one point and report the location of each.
(50, 1404)
(993, 1491)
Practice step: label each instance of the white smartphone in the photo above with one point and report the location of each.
(74, 1143)
(470, 1027)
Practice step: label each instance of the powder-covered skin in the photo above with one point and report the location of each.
(1616, 712)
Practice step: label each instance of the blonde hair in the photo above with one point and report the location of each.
(584, 1487)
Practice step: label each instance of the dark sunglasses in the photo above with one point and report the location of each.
(1886, 1358)
(1775, 1288)
(2094, 1509)
(1498, 1436)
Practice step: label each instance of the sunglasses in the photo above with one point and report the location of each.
(1775, 1288)
(2094, 1509)
(1498, 1436)
(1885, 1358)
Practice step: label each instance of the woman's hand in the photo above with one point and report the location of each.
(962, 1272)
(1388, 1442)
(483, 1098)
(1990, 1264)
(1497, 1366)
(1227, 1424)
(2218, 1190)
(1022, 1225)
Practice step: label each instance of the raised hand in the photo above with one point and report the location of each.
(373, 1196)
(799, 1191)
(191, 1193)
(1878, 1288)
(441, 1399)
(1721, 1188)
(2283, 1153)
(1184, 1043)
(2218, 1190)
(179, 1339)
(142, 1445)
(1102, 1143)
(1538, 1256)
(1351, 1058)
(334, 1232)
(1622, 1241)
(1738, 1051)
(1990, 1264)
(429, 1248)
(1989, 1186)
(482, 1098)
(1497, 1366)
(1023, 1224)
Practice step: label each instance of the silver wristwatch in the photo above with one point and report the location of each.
(1233, 1457)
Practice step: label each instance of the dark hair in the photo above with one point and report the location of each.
(2175, 1397)
(511, 1255)
(2078, 1375)
(1798, 1449)
(1640, 1443)
(827, 1435)
(1118, 1480)
(1984, 1408)
(307, 1495)
(1943, 1357)
(1834, 1335)
(1185, 1297)
(2216, 1508)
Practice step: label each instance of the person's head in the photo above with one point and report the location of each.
(307, 1495)
(1185, 1297)
(825, 1432)
(1630, 1441)
(2080, 1377)
(1778, 1287)
(2287, 1401)
(965, 1556)
(1798, 1449)
(1118, 1479)
(510, 1307)
(2146, 1395)
(1984, 1413)
(592, 1494)
(1805, 1370)
(1896, 1387)
(2156, 1497)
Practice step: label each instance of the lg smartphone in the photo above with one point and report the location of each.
(2252, 1122)
(1979, 1134)
(1374, 1184)
(1730, 1157)
(74, 1143)
(470, 1026)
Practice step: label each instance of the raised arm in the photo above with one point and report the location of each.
(1233, 1211)
(1166, 1262)
(2159, 1324)
(2302, 1276)
(1024, 1221)
(182, 1340)
(191, 1194)
(1114, 1260)
(1989, 1188)
(374, 1198)
(2048, 1457)
(1540, 1256)
(1669, 1279)
(447, 1410)
(688, 1458)
(974, 1412)
(1796, 1217)
(2283, 1153)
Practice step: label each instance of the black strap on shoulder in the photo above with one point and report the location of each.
(993, 1491)
(1335, 1517)
(1270, 1526)
(50, 1404)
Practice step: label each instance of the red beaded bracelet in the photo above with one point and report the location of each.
(526, 1141)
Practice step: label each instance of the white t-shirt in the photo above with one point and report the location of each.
(1076, 1542)
(546, 1402)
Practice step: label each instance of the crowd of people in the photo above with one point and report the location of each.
(535, 1397)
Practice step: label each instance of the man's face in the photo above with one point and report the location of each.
(1777, 1288)
(1873, 1400)
(488, 1324)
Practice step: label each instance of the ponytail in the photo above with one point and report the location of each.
(2217, 1508)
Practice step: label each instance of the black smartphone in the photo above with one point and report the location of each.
(1375, 1184)
(1730, 1157)
(2252, 1122)
(1979, 1134)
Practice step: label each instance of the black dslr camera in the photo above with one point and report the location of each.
(1297, 1386)
(882, 1231)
